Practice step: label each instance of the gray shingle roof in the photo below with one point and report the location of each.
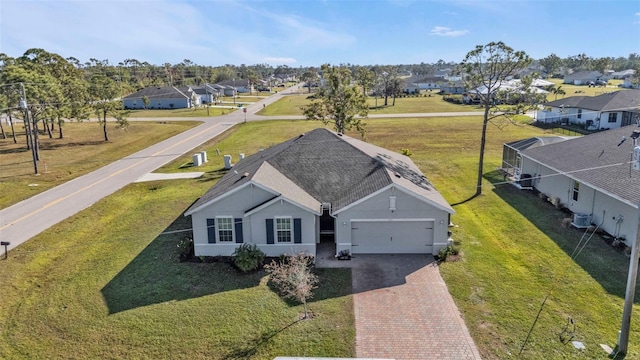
(622, 100)
(328, 168)
(156, 92)
(595, 160)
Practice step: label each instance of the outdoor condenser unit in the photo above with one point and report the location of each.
(580, 220)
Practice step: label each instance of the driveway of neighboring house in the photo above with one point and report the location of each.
(403, 309)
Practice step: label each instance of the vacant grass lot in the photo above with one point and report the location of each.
(291, 105)
(76, 292)
(82, 150)
(583, 90)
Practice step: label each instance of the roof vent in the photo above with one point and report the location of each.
(339, 134)
(244, 175)
(397, 175)
(301, 135)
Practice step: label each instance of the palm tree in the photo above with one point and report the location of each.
(558, 91)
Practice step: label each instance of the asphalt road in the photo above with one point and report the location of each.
(24, 220)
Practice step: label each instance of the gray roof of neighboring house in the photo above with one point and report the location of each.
(322, 166)
(157, 92)
(598, 160)
(622, 100)
(537, 141)
(235, 82)
(205, 89)
(586, 74)
(430, 79)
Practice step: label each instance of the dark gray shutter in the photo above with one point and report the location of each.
(297, 231)
(238, 228)
(211, 230)
(269, 231)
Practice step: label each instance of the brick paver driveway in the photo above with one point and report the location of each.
(404, 311)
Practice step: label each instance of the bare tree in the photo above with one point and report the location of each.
(293, 278)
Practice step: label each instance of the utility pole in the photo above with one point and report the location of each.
(27, 128)
(623, 339)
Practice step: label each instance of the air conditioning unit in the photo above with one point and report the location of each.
(580, 220)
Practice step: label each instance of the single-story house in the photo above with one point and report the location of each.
(240, 85)
(582, 77)
(596, 176)
(453, 87)
(410, 88)
(207, 93)
(168, 97)
(430, 82)
(322, 186)
(630, 83)
(606, 111)
(624, 74)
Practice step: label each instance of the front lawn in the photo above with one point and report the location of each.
(107, 284)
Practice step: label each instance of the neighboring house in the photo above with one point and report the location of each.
(240, 85)
(168, 97)
(595, 176)
(625, 74)
(207, 93)
(430, 83)
(410, 88)
(322, 186)
(455, 87)
(606, 111)
(582, 77)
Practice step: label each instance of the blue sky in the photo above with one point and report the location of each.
(310, 33)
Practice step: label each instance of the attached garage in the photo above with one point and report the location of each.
(392, 236)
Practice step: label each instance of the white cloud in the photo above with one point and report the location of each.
(445, 31)
(278, 60)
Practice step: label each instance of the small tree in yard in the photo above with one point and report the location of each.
(293, 278)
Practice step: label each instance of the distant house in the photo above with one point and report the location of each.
(625, 74)
(207, 93)
(456, 87)
(430, 82)
(322, 187)
(606, 111)
(596, 176)
(168, 97)
(582, 77)
(410, 88)
(240, 85)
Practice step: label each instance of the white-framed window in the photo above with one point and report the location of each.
(225, 229)
(283, 229)
(613, 117)
(576, 190)
(579, 113)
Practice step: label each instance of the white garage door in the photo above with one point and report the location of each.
(392, 237)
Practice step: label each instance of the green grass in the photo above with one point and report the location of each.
(582, 90)
(81, 151)
(291, 105)
(107, 284)
(120, 292)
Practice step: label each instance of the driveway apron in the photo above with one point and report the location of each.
(403, 310)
